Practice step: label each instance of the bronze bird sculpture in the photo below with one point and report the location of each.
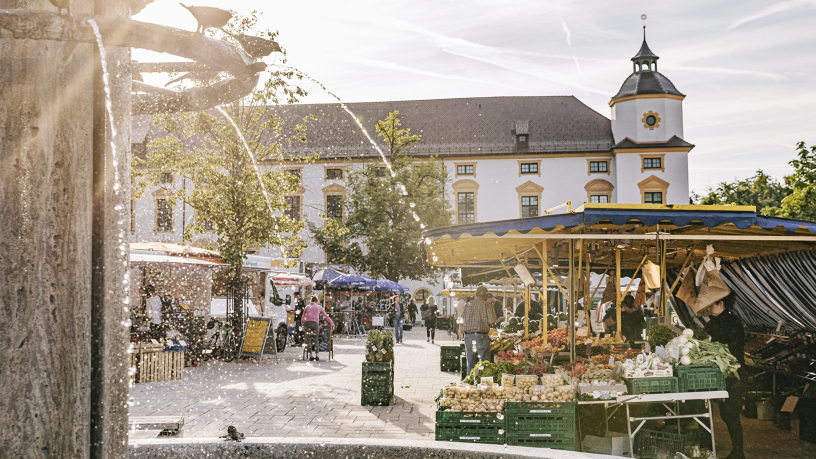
(208, 16)
(62, 5)
(233, 434)
(203, 76)
(255, 47)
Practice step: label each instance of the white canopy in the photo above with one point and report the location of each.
(284, 279)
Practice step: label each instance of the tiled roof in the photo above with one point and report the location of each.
(647, 83)
(456, 127)
(448, 127)
(673, 142)
(645, 52)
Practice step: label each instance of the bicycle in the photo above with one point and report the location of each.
(223, 344)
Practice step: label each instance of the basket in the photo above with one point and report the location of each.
(699, 378)
(648, 443)
(449, 364)
(542, 440)
(652, 385)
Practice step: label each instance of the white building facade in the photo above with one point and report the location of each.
(507, 157)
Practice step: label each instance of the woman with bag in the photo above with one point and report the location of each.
(429, 313)
(311, 326)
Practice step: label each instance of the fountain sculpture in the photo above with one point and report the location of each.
(64, 221)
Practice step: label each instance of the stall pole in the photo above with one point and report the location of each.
(571, 309)
(618, 294)
(544, 325)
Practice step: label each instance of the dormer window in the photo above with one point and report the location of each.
(521, 139)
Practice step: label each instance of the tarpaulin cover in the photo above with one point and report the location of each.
(351, 280)
(770, 289)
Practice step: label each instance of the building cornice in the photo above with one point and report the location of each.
(646, 96)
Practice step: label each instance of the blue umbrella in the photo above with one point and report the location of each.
(385, 285)
(351, 280)
(322, 276)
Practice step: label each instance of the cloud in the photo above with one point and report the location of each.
(569, 42)
(394, 66)
(770, 10)
(727, 71)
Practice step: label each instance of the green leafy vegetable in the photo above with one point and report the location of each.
(705, 351)
(659, 335)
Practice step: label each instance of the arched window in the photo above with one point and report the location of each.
(421, 294)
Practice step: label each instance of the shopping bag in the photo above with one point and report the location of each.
(651, 275)
(688, 288)
(712, 290)
(609, 291)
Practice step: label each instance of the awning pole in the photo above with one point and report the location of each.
(515, 286)
(617, 288)
(556, 279)
(544, 325)
(571, 308)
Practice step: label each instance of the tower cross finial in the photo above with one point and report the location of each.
(643, 18)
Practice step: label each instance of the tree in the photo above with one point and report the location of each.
(243, 204)
(759, 190)
(800, 203)
(386, 214)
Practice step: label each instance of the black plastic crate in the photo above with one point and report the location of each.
(449, 364)
(651, 443)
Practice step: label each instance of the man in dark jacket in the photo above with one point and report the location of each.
(300, 306)
(726, 328)
(632, 322)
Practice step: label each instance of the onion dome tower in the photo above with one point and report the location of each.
(648, 107)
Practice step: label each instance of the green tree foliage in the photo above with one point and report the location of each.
(385, 215)
(759, 190)
(801, 202)
(243, 205)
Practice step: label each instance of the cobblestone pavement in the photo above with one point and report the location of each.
(302, 399)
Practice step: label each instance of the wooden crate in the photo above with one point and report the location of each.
(153, 364)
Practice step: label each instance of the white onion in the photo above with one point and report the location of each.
(685, 360)
(684, 351)
(688, 333)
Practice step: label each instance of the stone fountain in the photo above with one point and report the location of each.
(63, 226)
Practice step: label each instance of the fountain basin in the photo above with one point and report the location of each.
(332, 448)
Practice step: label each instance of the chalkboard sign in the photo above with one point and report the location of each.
(255, 337)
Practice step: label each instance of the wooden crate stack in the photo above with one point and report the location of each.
(153, 364)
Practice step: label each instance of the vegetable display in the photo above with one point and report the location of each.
(659, 335)
(687, 351)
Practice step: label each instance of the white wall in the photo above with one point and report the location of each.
(627, 119)
(629, 174)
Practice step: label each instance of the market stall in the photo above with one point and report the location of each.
(653, 242)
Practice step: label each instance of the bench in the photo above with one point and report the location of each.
(169, 425)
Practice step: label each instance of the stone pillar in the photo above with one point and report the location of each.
(63, 366)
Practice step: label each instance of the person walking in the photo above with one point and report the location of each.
(478, 316)
(412, 312)
(311, 326)
(300, 306)
(397, 318)
(429, 313)
(726, 328)
(457, 315)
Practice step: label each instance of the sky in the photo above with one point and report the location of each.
(747, 67)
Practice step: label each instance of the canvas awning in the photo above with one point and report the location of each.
(736, 232)
(138, 259)
(285, 279)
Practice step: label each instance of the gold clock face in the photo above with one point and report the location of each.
(650, 120)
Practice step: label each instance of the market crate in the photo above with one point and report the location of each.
(459, 418)
(449, 364)
(378, 379)
(554, 418)
(651, 443)
(376, 396)
(463, 366)
(699, 378)
(652, 385)
(542, 440)
(378, 367)
(451, 352)
(474, 433)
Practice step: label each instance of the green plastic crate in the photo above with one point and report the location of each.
(699, 378)
(540, 408)
(463, 367)
(377, 379)
(663, 385)
(375, 401)
(476, 433)
(464, 418)
(534, 423)
(650, 443)
(451, 352)
(542, 440)
(378, 367)
(698, 437)
(449, 364)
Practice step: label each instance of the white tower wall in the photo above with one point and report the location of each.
(627, 119)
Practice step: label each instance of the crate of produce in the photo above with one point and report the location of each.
(449, 364)
(475, 433)
(699, 378)
(451, 352)
(542, 440)
(654, 443)
(463, 366)
(652, 385)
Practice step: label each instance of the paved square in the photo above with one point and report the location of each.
(303, 399)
